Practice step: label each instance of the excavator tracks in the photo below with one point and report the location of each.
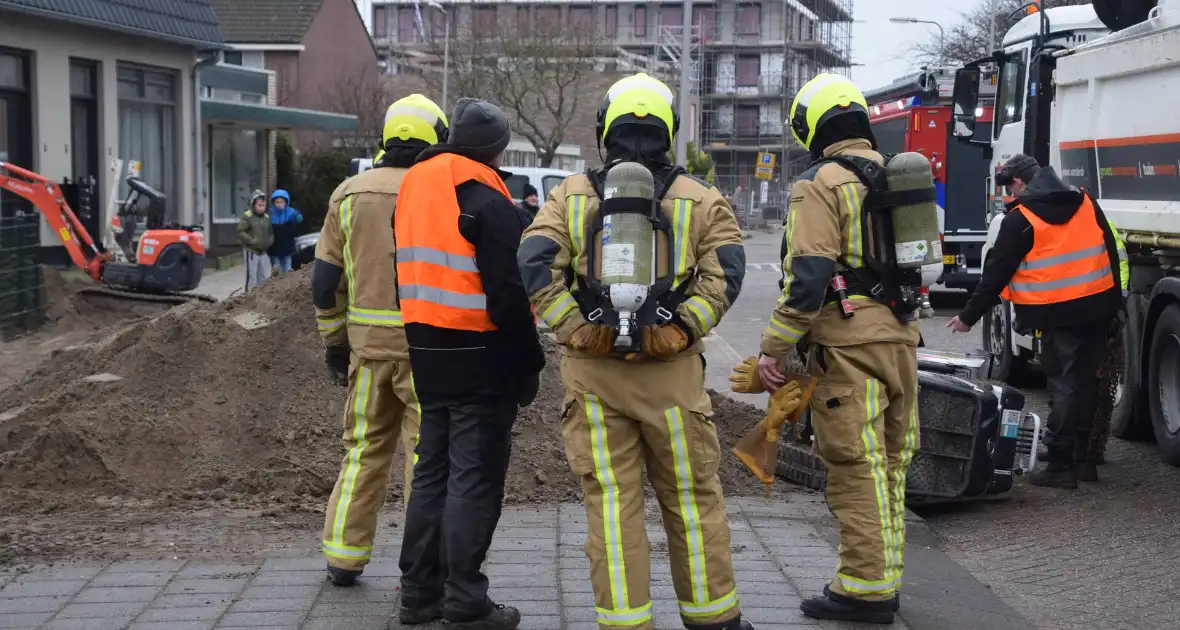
(159, 298)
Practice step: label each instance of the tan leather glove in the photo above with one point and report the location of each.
(783, 403)
(664, 342)
(593, 339)
(745, 377)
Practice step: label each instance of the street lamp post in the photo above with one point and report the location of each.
(941, 31)
(685, 60)
(446, 49)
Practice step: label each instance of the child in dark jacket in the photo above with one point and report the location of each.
(284, 220)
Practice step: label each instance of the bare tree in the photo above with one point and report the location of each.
(970, 38)
(365, 94)
(535, 69)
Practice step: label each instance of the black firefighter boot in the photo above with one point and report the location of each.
(408, 616)
(500, 618)
(1064, 476)
(737, 623)
(837, 607)
(342, 577)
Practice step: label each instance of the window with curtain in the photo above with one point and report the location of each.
(640, 21)
(611, 28)
(671, 15)
(379, 26)
(749, 19)
(747, 70)
(706, 19)
(147, 127)
(407, 29)
(236, 171)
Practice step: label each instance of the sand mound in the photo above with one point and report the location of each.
(207, 405)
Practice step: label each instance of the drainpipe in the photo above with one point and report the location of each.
(204, 58)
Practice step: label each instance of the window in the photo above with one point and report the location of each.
(516, 184)
(233, 57)
(379, 26)
(706, 19)
(582, 19)
(254, 59)
(748, 67)
(1010, 100)
(147, 125)
(83, 79)
(640, 21)
(485, 21)
(522, 19)
(407, 29)
(671, 15)
(749, 20)
(236, 171)
(438, 24)
(548, 183)
(747, 120)
(611, 28)
(548, 18)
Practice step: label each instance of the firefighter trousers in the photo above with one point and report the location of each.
(620, 419)
(864, 414)
(382, 409)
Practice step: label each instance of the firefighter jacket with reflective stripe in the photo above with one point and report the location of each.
(824, 234)
(358, 237)
(709, 260)
(1067, 262)
(439, 283)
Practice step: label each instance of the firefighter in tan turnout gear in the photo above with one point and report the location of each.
(864, 409)
(357, 314)
(628, 407)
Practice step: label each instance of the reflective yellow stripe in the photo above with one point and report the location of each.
(624, 616)
(703, 312)
(710, 609)
(898, 495)
(875, 456)
(681, 222)
(854, 255)
(346, 552)
(556, 312)
(693, 537)
(346, 232)
(782, 331)
(353, 467)
(374, 317)
(788, 277)
(576, 215)
(611, 506)
(329, 323)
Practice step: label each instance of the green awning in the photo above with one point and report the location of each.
(273, 117)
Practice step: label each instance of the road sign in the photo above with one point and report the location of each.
(764, 173)
(766, 159)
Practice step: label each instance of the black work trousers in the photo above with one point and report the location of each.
(455, 502)
(1071, 358)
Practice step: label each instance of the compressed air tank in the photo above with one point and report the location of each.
(628, 240)
(916, 239)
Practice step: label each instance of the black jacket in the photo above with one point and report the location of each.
(1053, 202)
(450, 362)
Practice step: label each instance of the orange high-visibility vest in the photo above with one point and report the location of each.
(1067, 261)
(438, 280)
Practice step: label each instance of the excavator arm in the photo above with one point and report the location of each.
(47, 198)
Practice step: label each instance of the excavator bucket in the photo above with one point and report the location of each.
(758, 449)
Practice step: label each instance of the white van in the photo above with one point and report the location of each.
(543, 179)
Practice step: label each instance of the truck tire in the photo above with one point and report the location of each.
(1163, 373)
(1125, 423)
(997, 340)
(1119, 14)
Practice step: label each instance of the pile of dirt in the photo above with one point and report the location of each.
(202, 403)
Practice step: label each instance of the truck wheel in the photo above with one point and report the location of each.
(1123, 423)
(997, 339)
(1162, 375)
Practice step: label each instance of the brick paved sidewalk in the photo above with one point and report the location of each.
(537, 563)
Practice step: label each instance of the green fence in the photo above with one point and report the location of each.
(22, 281)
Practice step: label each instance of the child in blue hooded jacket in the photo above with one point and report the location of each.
(283, 219)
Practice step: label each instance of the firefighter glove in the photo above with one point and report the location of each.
(783, 403)
(745, 379)
(529, 385)
(664, 342)
(593, 339)
(336, 357)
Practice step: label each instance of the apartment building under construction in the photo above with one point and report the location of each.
(748, 59)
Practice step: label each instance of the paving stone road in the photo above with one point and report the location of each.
(783, 550)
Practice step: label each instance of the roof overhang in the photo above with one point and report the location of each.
(255, 116)
(115, 28)
(269, 47)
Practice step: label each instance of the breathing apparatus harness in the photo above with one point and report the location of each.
(593, 297)
(880, 278)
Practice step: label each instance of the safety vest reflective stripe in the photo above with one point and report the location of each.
(346, 232)
(1066, 262)
(782, 331)
(329, 323)
(438, 280)
(1124, 260)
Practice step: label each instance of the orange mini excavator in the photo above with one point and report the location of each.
(169, 257)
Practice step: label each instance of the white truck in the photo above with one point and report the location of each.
(1092, 90)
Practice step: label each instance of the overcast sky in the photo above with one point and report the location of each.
(885, 48)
